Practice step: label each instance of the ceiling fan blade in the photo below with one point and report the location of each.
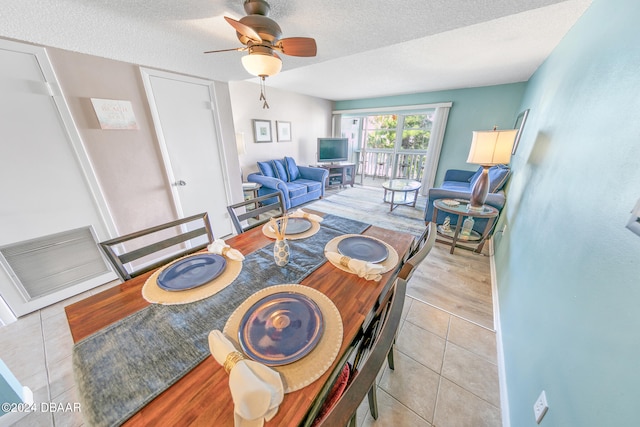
(243, 29)
(227, 50)
(297, 46)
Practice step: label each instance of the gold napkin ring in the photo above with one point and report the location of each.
(225, 250)
(231, 360)
(344, 261)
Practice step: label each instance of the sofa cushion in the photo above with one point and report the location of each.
(266, 169)
(293, 172)
(296, 189)
(456, 186)
(311, 185)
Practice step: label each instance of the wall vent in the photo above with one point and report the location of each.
(51, 263)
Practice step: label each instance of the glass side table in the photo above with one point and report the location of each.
(459, 207)
(401, 186)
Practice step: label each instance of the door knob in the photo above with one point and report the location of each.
(179, 183)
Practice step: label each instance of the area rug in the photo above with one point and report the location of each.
(365, 204)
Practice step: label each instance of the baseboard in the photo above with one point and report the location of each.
(502, 375)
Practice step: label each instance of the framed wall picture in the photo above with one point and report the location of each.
(114, 114)
(284, 131)
(520, 121)
(262, 130)
(634, 221)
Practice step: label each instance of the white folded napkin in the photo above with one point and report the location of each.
(219, 247)
(368, 270)
(256, 389)
(302, 214)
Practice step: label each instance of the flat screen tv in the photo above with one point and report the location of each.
(331, 150)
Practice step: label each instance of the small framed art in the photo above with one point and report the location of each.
(284, 131)
(520, 120)
(262, 130)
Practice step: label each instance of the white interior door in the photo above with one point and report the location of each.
(184, 115)
(48, 185)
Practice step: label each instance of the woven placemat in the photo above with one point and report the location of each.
(315, 226)
(302, 372)
(156, 295)
(388, 264)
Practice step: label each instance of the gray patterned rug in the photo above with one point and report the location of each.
(365, 204)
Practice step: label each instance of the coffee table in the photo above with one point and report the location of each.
(401, 186)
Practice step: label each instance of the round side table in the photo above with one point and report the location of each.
(459, 208)
(401, 186)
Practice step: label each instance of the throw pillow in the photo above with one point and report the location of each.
(498, 176)
(266, 169)
(279, 170)
(475, 177)
(293, 172)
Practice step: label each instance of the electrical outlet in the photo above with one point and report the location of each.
(540, 407)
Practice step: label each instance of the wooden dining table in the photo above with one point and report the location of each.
(202, 396)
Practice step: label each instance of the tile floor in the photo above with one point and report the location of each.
(445, 375)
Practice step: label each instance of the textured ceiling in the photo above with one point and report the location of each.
(365, 48)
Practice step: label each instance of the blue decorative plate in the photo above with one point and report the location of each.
(363, 248)
(297, 225)
(281, 328)
(191, 272)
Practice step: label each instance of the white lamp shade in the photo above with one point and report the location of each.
(260, 64)
(492, 147)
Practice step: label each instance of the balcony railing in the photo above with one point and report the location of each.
(387, 164)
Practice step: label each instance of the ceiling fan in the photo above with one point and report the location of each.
(261, 37)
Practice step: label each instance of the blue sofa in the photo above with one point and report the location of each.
(298, 184)
(458, 183)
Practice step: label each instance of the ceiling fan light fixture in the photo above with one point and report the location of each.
(262, 64)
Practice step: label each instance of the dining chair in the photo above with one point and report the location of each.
(419, 251)
(370, 353)
(256, 211)
(137, 253)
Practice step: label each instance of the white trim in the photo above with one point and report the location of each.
(502, 374)
(6, 315)
(394, 109)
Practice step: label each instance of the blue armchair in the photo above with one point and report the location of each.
(298, 184)
(458, 184)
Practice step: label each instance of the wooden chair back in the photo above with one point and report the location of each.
(371, 354)
(421, 248)
(142, 251)
(256, 211)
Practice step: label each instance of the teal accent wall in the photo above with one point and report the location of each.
(478, 108)
(568, 270)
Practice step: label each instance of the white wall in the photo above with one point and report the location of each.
(310, 118)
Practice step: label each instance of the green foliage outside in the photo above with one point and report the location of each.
(382, 131)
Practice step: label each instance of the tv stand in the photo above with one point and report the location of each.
(340, 174)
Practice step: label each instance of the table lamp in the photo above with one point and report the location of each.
(488, 148)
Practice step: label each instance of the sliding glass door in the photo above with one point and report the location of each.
(391, 145)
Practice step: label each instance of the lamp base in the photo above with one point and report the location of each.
(480, 190)
(471, 208)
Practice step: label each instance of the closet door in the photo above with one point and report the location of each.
(48, 188)
(185, 119)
